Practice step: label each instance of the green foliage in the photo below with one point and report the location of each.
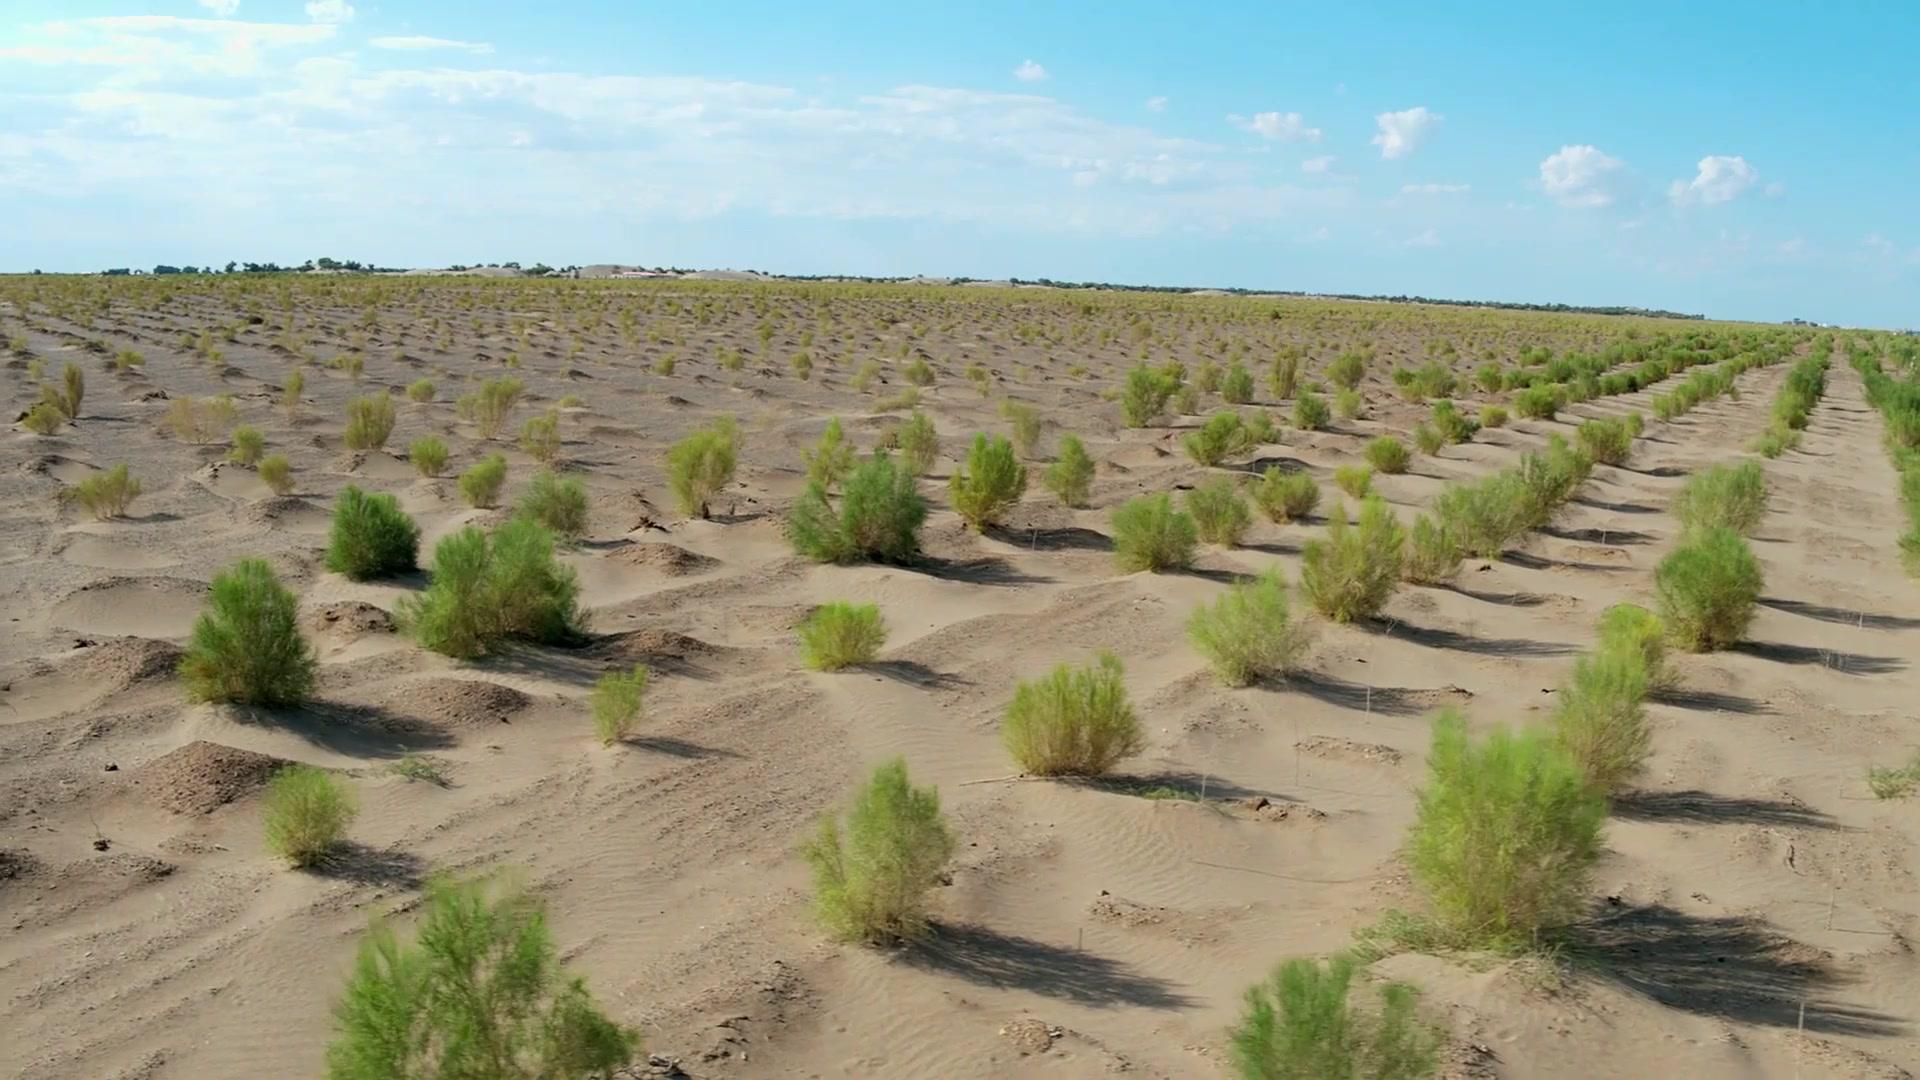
(1605, 441)
(246, 646)
(1352, 572)
(919, 373)
(371, 536)
(43, 419)
(1433, 554)
(1286, 496)
(1388, 455)
(1538, 402)
(871, 885)
(1222, 436)
(701, 465)
(276, 473)
(1346, 370)
(989, 484)
(1348, 403)
(1894, 781)
(558, 504)
(1453, 425)
(1149, 534)
(1489, 378)
(1300, 1025)
(1493, 416)
(306, 814)
(1355, 480)
(1634, 631)
(480, 485)
(490, 406)
(1600, 719)
(1428, 438)
(67, 396)
(1484, 515)
(840, 634)
(199, 421)
(1310, 412)
(919, 444)
(429, 455)
(1237, 387)
(1284, 377)
(1250, 632)
(1505, 836)
(540, 436)
(492, 588)
(831, 459)
(616, 701)
(369, 422)
(1707, 589)
(880, 515)
(1072, 722)
(1144, 397)
(248, 444)
(290, 392)
(1070, 477)
(106, 495)
(480, 994)
(1027, 426)
(420, 391)
(1729, 496)
(1219, 513)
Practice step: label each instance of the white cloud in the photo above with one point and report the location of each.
(330, 11)
(1156, 104)
(1426, 238)
(1582, 176)
(222, 8)
(1286, 127)
(418, 43)
(1030, 72)
(1319, 164)
(1719, 179)
(1401, 133)
(1434, 189)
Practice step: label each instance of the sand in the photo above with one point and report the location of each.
(1754, 911)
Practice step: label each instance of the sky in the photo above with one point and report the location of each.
(1741, 160)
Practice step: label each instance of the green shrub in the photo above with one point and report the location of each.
(616, 701)
(1484, 516)
(276, 473)
(1073, 722)
(1433, 554)
(1250, 632)
(1894, 781)
(1346, 370)
(831, 459)
(371, 537)
(1027, 426)
(67, 396)
(1605, 441)
(1453, 425)
(1707, 589)
(490, 406)
(556, 503)
(290, 392)
(1550, 479)
(1538, 402)
(871, 885)
(492, 588)
(1286, 496)
(1284, 377)
(43, 419)
(1505, 835)
(1388, 455)
(1600, 720)
(1350, 573)
(429, 455)
(199, 421)
(106, 495)
(1310, 412)
(540, 436)
(1730, 496)
(881, 511)
(246, 646)
(919, 373)
(1070, 477)
(369, 422)
(1149, 534)
(1489, 378)
(1222, 436)
(1634, 631)
(840, 634)
(1355, 480)
(919, 444)
(989, 484)
(1634, 423)
(1144, 397)
(701, 465)
(480, 484)
(1347, 404)
(1493, 416)
(420, 390)
(1428, 438)
(248, 444)
(480, 993)
(1237, 387)
(1299, 1025)
(1260, 429)
(1219, 513)
(306, 814)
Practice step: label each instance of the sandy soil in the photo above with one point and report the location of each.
(1755, 911)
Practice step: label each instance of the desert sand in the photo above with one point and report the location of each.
(1755, 911)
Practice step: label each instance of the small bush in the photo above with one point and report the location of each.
(248, 444)
(1222, 436)
(1310, 412)
(1346, 370)
(871, 885)
(1027, 426)
(1538, 402)
(880, 515)
(1250, 632)
(1144, 396)
(276, 473)
(1894, 781)
(1600, 720)
(246, 646)
(369, 422)
(67, 396)
(1260, 429)
(1453, 425)
(558, 504)
(480, 485)
(1504, 838)
(1388, 455)
(480, 993)
(1355, 480)
(1070, 477)
(492, 588)
(1237, 387)
(540, 436)
(1073, 722)
(1730, 496)
(1350, 573)
(1286, 496)
(43, 419)
(1605, 441)
(307, 812)
(701, 465)
(829, 461)
(199, 421)
(919, 444)
(1433, 554)
(420, 390)
(429, 455)
(1707, 588)
(1284, 377)
(490, 406)
(1300, 1025)
(1493, 416)
(290, 392)
(839, 635)
(1428, 438)
(1634, 631)
(616, 702)
(1149, 534)
(1220, 514)
(371, 537)
(106, 495)
(989, 484)
(919, 373)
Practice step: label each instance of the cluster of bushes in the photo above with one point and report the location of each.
(701, 465)
(488, 588)
(1899, 403)
(1482, 517)
(1793, 405)
(879, 516)
(1709, 584)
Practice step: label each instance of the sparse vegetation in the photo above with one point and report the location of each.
(1149, 534)
(1388, 455)
(371, 536)
(1352, 572)
(1301, 1025)
(1073, 721)
(701, 465)
(839, 635)
(429, 455)
(616, 702)
(1286, 496)
(1250, 633)
(246, 647)
(989, 484)
(871, 883)
(1219, 511)
(306, 813)
(106, 495)
(277, 473)
(557, 503)
(881, 511)
(831, 459)
(369, 421)
(480, 485)
(1070, 477)
(1723, 496)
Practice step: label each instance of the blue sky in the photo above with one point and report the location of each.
(1743, 160)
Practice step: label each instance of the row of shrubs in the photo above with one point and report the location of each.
(1793, 404)
(1898, 400)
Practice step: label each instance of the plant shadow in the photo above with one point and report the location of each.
(914, 673)
(1846, 663)
(1707, 808)
(1708, 701)
(1386, 700)
(990, 958)
(1842, 616)
(982, 571)
(360, 864)
(1434, 637)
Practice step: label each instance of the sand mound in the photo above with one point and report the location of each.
(202, 776)
(117, 663)
(666, 558)
(651, 643)
(160, 607)
(347, 618)
(283, 511)
(1330, 746)
(16, 864)
(458, 703)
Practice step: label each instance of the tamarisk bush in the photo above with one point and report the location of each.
(1070, 477)
(371, 536)
(880, 515)
(489, 588)
(989, 484)
(1149, 534)
(1351, 572)
(246, 647)
(840, 635)
(1250, 632)
(1072, 722)
(1301, 1024)
(871, 882)
(1707, 588)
